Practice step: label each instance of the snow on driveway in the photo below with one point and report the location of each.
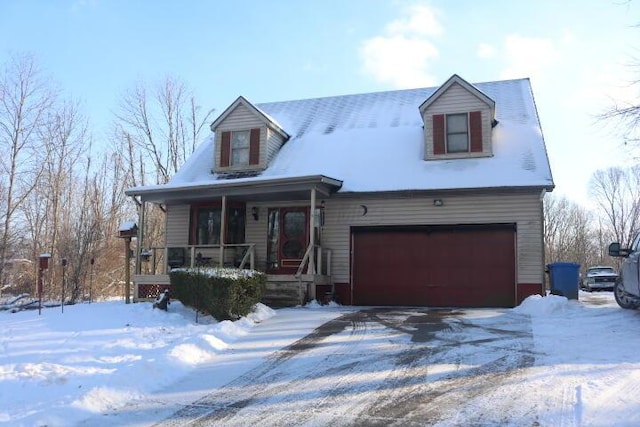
(549, 362)
(376, 367)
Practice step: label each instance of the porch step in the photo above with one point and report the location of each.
(286, 290)
(280, 294)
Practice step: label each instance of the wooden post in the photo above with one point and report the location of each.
(312, 241)
(312, 233)
(128, 231)
(127, 268)
(140, 245)
(43, 264)
(223, 226)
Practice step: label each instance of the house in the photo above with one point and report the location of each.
(428, 197)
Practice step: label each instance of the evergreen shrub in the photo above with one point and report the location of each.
(224, 293)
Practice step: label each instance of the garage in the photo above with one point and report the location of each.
(435, 266)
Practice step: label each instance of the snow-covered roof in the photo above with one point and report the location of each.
(375, 142)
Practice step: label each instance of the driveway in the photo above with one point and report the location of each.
(428, 367)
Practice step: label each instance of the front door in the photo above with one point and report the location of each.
(288, 238)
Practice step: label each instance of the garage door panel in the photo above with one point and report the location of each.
(466, 267)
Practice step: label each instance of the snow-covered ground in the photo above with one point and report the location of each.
(94, 360)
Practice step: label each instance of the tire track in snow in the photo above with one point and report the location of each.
(271, 378)
(432, 398)
(396, 385)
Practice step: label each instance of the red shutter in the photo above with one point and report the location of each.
(475, 131)
(254, 147)
(438, 134)
(225, 150)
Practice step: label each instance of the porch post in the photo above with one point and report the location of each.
(223, 226)
(141, 219)
(312, 234)
(311, 287)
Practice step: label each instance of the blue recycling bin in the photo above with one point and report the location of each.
(564, 279)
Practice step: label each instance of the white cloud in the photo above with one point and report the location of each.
(421, 21)
(486, 51)
(401, 56)
(398, 60)
(528, 57)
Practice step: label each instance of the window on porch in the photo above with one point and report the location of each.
(206, 222)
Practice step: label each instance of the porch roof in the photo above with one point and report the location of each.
(253, 188)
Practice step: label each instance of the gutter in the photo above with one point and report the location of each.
(222, 185)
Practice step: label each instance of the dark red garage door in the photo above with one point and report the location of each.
(439, 266)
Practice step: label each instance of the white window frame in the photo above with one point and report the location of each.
(447, 133)
(232, 159)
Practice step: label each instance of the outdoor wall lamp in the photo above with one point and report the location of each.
(438, 202)
(255, 212)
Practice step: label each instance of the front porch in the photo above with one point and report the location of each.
(273, 225)
(282, 290)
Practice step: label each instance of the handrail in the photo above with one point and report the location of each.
(305, 260)
(250, 253)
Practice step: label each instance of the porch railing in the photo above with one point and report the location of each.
(313, 261)
(160, 259)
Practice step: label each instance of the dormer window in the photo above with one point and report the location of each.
(458, 121)
(246, 139)
(457, 133)
(240, 148)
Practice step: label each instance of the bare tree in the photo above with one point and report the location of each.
(54, 196)
(155, 132)
(617, 193)
(158, 130)
(568, 232)
(25, 98)
(626, 114)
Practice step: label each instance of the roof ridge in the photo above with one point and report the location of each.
(385, 92)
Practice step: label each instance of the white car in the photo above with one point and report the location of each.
(599, 278)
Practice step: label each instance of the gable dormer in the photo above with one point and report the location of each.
(246, 139)
(458, 120)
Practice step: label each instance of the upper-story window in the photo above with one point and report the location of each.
(240, 148)
(457, 133)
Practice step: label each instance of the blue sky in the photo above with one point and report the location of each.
(576, 53)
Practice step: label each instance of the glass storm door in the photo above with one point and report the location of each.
(288, 238)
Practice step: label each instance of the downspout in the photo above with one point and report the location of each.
(544, 261)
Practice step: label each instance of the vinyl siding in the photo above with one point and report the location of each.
(177, 233)
(457, 99)
(274, 142)
(522, 209)
(341, 213)
(241, 118)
